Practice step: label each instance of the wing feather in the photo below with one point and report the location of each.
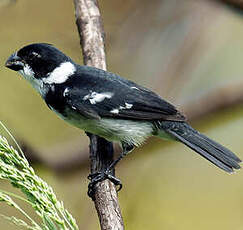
(127, 100)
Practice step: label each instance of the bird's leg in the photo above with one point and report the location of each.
(98, 177)
(108, 173)
(126, 148)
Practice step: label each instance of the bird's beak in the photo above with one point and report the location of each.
(14, 62)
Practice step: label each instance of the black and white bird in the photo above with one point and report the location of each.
(108, 105)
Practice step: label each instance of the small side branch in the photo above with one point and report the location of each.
(92, 40)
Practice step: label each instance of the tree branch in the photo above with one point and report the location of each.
(91, 32)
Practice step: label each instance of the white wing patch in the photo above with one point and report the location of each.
(60, 74)
(115, 111)
(94, 97)
(127, 106)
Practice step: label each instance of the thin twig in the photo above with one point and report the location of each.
(91, 32)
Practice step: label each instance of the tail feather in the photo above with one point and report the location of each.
(209, 149)
(221, 148)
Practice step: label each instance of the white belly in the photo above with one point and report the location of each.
(129, 131)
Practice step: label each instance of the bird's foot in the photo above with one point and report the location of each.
(98, 177)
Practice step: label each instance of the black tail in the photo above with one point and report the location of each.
(209, 149)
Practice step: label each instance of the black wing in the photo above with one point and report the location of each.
(96, 93)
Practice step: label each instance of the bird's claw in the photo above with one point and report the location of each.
(98, 177)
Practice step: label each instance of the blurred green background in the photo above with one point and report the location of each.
(182, 49)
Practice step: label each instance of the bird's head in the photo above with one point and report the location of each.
(41, 63)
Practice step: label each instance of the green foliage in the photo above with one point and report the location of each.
(16, 169)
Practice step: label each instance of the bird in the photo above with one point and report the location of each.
(112, 107)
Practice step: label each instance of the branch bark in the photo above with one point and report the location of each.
(92, 41)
